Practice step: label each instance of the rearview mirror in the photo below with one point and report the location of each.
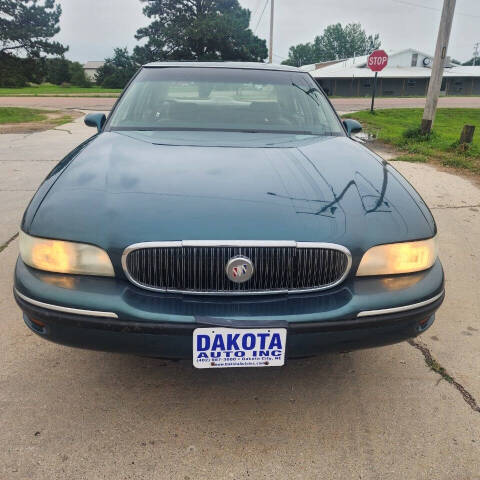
(352, 126)
(95, 120)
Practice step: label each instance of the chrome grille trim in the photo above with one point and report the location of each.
(224, 250)
(59, 308)
(403, 308)
(227, 243)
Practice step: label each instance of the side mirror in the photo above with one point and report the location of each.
(95, 120)
(352, 126)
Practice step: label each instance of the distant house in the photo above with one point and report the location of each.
(408, 73)
(91, 68)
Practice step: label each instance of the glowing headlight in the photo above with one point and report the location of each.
(64, 257)
(398, 258)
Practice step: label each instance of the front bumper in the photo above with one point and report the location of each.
(114, 315)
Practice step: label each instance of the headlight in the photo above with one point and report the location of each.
(398, 258)
(64, 257)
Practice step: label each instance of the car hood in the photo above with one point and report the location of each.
(131, 187)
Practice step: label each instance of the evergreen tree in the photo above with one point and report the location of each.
(198, 30)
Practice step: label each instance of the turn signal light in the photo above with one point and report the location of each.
(397, 258)
(64, 257)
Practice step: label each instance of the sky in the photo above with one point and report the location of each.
(93, 28)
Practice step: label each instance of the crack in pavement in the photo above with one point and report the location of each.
(446, 207)
(62, 130)
(8, 242)
(433, 364)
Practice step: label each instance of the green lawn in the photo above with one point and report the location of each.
(12, 115)
(21, 115)
(57, 90)
(398, 128)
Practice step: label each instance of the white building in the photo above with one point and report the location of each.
(408, 73)
(91, 68)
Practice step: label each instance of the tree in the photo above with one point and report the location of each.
(26, 27)
(117, 71)
(16, 72)
(198, 30)
(473, 60)
(57, 70)
(336, 42)
(302, 54)
(339, 42)
(77, 75)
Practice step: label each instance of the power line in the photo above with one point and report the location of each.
(427, 7)
(253, 15)
(261, 16)
(259, 2)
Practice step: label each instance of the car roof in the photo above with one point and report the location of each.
(233, 65)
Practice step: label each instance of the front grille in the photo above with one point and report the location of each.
(182, 267)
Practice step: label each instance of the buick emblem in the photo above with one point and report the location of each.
(239, 269)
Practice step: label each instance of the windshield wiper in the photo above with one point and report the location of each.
(308, 92)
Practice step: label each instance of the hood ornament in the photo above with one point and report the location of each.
(239, 269)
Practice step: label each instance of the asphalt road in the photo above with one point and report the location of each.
(341, 104)
(372, 414)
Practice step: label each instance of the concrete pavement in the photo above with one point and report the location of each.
(372, 414)
(25, 159)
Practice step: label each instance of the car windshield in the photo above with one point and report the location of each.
(225, 99)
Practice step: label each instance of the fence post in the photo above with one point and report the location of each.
(467, 134)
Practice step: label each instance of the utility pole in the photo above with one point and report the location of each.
(475, 53)
(270, 52)
(438, 65)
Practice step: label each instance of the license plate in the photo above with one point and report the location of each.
(232, 347)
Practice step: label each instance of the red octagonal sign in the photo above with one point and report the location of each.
(378, 60)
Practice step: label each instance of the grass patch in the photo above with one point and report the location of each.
(21, 115)
(13, 118)
(56, 122)
(57, 90)
(400, 128)
(416, 158)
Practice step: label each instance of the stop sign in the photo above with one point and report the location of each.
(377, 61)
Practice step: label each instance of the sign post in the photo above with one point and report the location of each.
(374, 91)
(377, 61)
